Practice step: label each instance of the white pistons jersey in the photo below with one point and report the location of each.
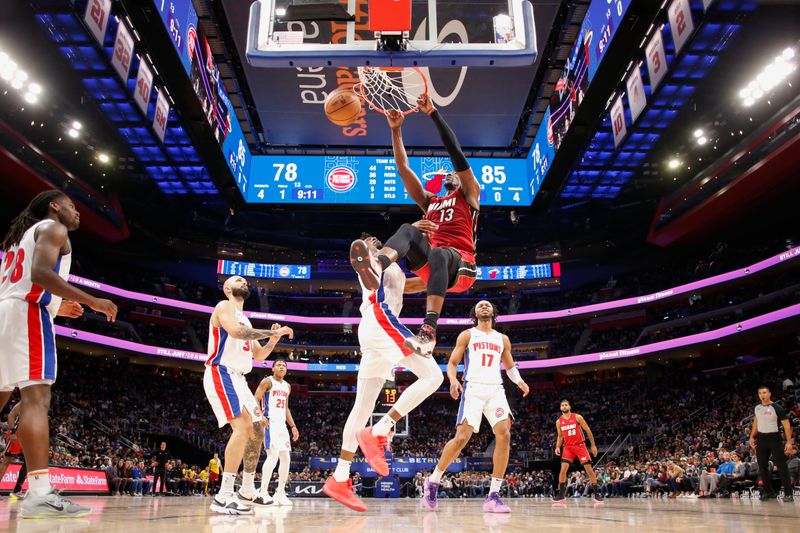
(482, 360)
(389, 293)
(15, 273)
(224, 350)
(274, 407)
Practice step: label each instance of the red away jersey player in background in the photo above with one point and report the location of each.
(570, 428)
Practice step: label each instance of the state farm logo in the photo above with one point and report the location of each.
(341, 179)
(284, 272)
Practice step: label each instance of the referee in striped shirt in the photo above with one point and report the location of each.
(766, 441)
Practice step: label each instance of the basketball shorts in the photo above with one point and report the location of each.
(381, 336)
(579, 452)
(479, 400)
(465, 275)
(27, 345)
(276, 438)
(229, 395)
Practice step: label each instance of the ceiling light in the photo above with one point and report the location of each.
(31, 98)
(76, 125)
(72, 132)
(674, 163)
(103, 157)
(16, 83)
(7, 70)
(748, 102)
(281, 11)
(35, 88)
(701, 141)
(21, 75)
(698, 133)
(788, 53)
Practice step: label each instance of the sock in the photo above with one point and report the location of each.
(226, 487)
(342, 472)
(436, 477)
(383, 427)
(248, 483)
(266, 472)
(497, 482)
(384, 261)
(431, 319)
(562, 489)
(39, 482)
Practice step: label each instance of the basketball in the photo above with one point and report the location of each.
(342, 107)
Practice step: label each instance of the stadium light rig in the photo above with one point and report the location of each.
(18, 79)
(770, 77)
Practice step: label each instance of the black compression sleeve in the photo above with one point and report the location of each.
(450, 142)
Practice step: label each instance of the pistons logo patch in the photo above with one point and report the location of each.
(341, 179)
(257, 411)
(499, 412)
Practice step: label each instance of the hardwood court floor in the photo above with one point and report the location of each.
(174, 515)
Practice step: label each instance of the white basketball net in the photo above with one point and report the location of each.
(391, 88)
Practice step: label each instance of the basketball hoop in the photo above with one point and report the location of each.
(385, 88)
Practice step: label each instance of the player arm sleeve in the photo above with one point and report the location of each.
(450, 142)
(513, 375)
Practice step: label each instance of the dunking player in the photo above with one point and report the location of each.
(231, 351)
(482, 395)
(276, 435)
(33, 290)
(568, 427)
(380, 335)
(441, 250)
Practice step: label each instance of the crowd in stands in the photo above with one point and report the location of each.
(683, 424)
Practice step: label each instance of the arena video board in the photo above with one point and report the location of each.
(263, 270)
(375, 180)
(515, 272)
(598, 29)
(180, 19)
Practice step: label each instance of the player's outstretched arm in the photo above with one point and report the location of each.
(50, 240)
(511, 368)
(469, 184)
(588, 432)
(559, 439)
(410, 180)
(226, 314)
(456, 357)
(260, 353)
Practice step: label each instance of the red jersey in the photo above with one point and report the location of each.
(457, 221)
(570, 430)
(13, 448)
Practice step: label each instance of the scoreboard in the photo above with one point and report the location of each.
(375, 180)
(514, 272)
(263, 270)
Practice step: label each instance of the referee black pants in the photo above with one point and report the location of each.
(770, 444)
(160, 472)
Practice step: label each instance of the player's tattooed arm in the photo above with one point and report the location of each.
(226, 316)
(260, 353)
(247, 333)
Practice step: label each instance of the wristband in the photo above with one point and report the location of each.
(513, 375)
